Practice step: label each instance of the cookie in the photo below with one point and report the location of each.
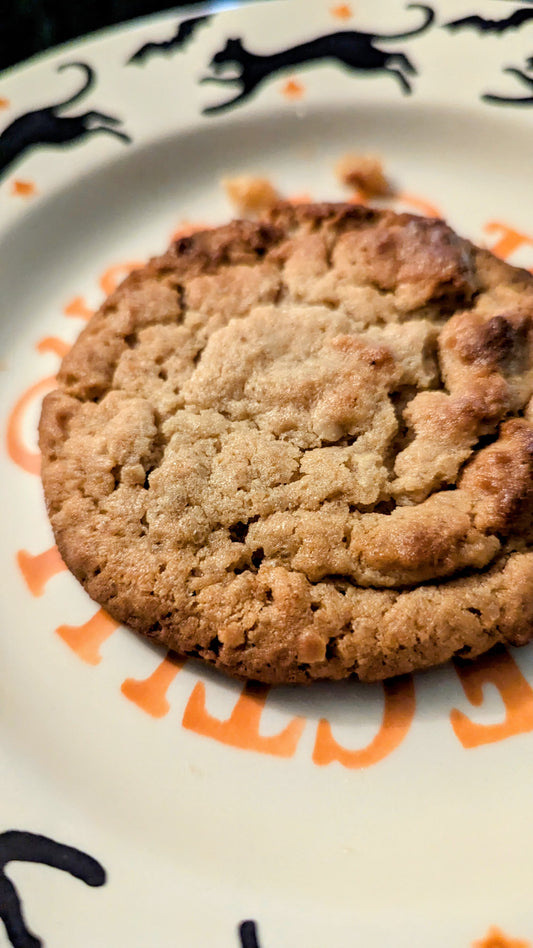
(302, 448)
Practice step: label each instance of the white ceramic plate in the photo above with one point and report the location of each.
(335, 815)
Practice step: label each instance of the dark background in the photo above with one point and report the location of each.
(30, 26)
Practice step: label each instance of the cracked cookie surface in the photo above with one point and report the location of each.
(303, 447)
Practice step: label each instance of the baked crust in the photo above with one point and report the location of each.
(303, 447)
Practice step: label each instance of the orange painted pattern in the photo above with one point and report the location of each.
(398, 714)
(415, 202)
(4, 103)
(53, 344)
(23, 188)
(39, 569)
(188, 228)
(342, 12)
(495, 938)
(85, 640)
(420, 204)
(28, 460)
(357, 197)
(293, 89)
(497, 668)
(508, 240)
(113, 276)
(241, 729)
(151, 694)
(303, 198)
(78, 307)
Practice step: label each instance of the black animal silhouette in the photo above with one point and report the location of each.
(17, 846)
(483, 25)
(514, 100)
(47, 126)
(349, 48)
(248, 935)
(183, 34)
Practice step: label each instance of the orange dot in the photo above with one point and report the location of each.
(342, 12)
(293, 89)
(23, 188)
(4, 103)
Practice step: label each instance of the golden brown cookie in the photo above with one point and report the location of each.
(303, 447)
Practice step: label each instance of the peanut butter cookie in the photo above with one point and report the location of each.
(302, 447)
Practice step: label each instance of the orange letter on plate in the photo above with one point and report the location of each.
(398, 713)
(496, 668)
(495, 938)
(509, 241)
(242, 728)
(29, 461)
(85, 640)
(38, 569)
(113, 276)
(78, 307)
(150, 694)
(53, 344)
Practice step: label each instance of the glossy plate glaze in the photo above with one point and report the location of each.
(145, 801)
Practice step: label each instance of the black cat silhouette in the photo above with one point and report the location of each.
(349, 48)
(183, 34)
(18, 846)
(514, 100)
(48, 127)
(248, 935)
(483, 25)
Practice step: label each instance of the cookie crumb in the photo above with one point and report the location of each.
(250, 194)
(364, 172)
